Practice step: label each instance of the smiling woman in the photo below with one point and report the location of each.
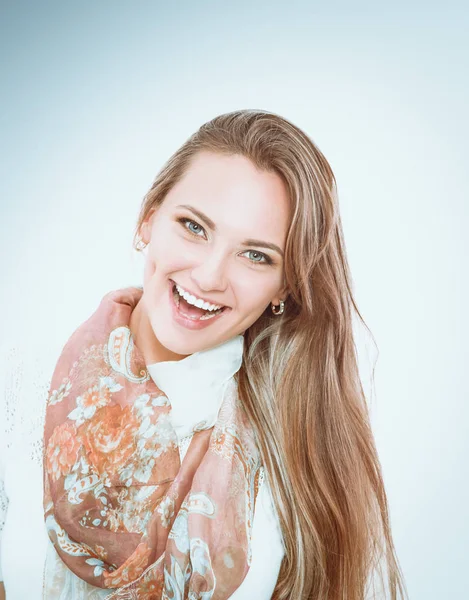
(220, 264)
(206, 434)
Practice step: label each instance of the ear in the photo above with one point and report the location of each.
(145, 227)
(282, 294)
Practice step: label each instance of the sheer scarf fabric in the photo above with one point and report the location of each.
(127, 518)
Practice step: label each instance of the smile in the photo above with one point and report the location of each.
(192, 308)
(194, 300)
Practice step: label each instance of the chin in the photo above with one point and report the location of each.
(183, 343)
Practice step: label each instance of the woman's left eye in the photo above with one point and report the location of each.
(184, 222)
(266, 259)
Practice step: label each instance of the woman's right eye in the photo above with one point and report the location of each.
(184, 223)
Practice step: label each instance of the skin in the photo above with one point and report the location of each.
(243, 203)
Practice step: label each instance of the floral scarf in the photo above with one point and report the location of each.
(127, 517)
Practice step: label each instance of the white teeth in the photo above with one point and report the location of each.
(196, 301)
(207, 316)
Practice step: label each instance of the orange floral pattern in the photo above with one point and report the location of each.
(109, 438)
(62, 450)
(122, 511)
(96, 396)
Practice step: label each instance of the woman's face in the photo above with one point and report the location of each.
(219, 235)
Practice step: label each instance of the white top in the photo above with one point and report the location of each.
(195, 387)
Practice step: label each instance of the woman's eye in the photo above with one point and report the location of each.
(195, 229)
(186, 223)
(266, 259)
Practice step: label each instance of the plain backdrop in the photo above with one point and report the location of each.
(97, 95)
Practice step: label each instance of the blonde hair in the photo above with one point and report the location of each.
(299, 382)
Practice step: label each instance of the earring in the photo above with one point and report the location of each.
(140, 245)
(281, 308)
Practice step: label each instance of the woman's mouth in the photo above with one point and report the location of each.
(191, 312)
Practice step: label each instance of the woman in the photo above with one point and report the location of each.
(207, 436)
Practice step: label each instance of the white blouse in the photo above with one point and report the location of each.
(195, 386)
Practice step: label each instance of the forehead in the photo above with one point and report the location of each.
(235, 194)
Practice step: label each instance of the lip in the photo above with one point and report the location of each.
(197, 296)
(185, 321)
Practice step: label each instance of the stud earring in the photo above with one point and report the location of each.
(140, 245)
(281, 308)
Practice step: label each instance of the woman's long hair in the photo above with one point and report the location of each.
(299, 382)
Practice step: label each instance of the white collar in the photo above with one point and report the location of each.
(195, 385)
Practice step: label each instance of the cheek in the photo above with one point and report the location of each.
(149, 269)
(157, 257)
(254, 294)
(255, 287)
(167, 252)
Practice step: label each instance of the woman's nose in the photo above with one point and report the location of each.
(211, 274)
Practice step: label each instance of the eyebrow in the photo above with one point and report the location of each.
(213, 227)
